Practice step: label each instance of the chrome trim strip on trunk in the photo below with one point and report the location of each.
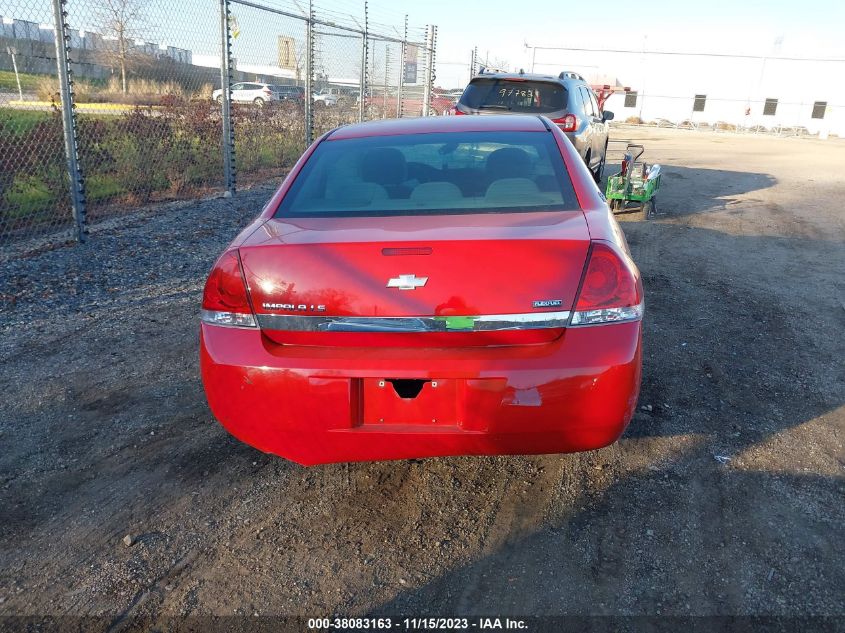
(479, 323)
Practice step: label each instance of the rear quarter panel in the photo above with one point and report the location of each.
(600, 221)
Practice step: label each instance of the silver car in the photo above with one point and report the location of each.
(566, 99)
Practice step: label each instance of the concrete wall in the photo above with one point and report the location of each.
(39, 57)
(36, 49)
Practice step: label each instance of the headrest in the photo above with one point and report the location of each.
(435, 192)
(384, 166)
(510, 189)
(508, 162)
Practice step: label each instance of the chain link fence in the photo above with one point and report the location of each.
(269, 53)
(138, 101)
(147, 127)
(338, 60)
(34, 188)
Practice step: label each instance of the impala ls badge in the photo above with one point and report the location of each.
(406, 282)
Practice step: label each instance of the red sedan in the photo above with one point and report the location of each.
(424, 287)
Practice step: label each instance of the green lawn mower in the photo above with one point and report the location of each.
(633, 189)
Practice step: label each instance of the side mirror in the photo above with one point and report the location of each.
(607, 115)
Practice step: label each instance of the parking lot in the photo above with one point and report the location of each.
(725, 496)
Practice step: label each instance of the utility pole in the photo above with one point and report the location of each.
(643, 65)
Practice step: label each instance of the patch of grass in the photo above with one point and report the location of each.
(21, 121)
(28, 82)
(27, 197)
(32, 198)
(103, 187)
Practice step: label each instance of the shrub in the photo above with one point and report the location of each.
(194, 156)
(136, 147)
(269, 138)
(47, 89)
(32, 169)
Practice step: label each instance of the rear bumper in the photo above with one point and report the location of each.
(319, 404)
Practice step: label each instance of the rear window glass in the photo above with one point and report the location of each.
(514, 96)
(438, 174)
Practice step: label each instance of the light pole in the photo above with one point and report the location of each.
(643, 67)
(13, 52)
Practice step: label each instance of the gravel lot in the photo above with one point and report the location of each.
(726, 496)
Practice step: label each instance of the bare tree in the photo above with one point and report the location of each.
(121, 20)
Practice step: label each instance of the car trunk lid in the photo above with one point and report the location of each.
(481, 279)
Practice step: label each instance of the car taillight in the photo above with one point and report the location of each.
(266, 90)
(568, 123)
(611, 291)
(224, 299)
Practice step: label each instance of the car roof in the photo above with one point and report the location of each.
(440, 124)
(528, 77)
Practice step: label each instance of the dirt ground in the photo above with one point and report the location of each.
(726, 496)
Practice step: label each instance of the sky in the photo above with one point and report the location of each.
(503, 28)
(509, 31)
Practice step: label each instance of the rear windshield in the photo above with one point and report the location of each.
(437, 174)
(514, 96)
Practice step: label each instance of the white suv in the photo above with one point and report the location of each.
(243, 92)
(329, 98)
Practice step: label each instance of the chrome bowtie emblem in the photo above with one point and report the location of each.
(406, 282)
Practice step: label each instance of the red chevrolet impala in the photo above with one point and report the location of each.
(423, 287)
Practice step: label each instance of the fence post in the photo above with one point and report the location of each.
(229, 172)
(363, 81)
(384, 89)
(309, 75)
(77, 182)
(401, 71)
(432, 62)
(426, 105)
